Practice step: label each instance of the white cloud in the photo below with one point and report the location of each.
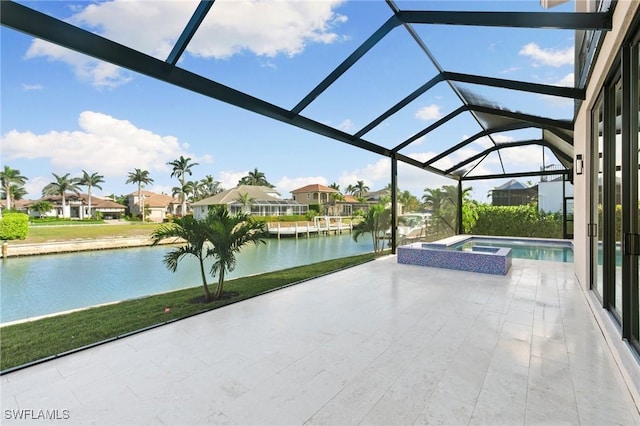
(527, 157)
(35, 184)
(346, 126)
(263, 28)
(286, 184)
(430, 112)
(376, 176)
(509, 70)
(104, 144)
(266, 28)
(229, 179)
(98, 73)
(566, 81)
(30, 87)
(550, 57)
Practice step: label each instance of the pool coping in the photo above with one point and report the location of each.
(457, 239)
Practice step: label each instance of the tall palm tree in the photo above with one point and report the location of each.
(9, 176)
(255, 178)
(60, 187)
(439, 201)
(199, 189)
(141, 177)
(228, 234)
(92, 180)
(193, 234)
(181, 167)
(360, 189)
(408, 200)
(211, 186)
(350, 189)
(16, 192)
(186, 189)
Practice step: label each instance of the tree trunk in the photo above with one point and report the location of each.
(218, 294)
(89, 191)
(140, 206)
(207, 293)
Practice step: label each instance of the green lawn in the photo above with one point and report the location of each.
(47, 337)
(44, 234)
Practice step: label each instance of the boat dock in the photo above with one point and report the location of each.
(321, 225)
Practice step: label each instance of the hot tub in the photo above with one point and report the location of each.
(483, 259)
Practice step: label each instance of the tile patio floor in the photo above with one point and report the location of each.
(380, 343)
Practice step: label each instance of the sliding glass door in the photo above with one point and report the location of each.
(615, 225)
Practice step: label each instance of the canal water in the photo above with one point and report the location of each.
(39, 285)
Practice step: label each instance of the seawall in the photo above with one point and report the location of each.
(13, 250)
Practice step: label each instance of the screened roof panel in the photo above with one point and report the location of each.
(446, 136)
(140, 25)
(518, 101)
(363, 92)
(419, 114)
(478, 6)
(283, 68)
(335, 76)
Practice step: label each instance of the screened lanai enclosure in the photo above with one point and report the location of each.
(452, 115)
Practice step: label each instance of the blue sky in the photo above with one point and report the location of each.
(63, 112)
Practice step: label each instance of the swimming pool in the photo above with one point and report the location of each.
(522, 248)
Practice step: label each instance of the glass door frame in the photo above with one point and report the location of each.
(630, 232)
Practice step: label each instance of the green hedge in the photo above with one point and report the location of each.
(517, 221)
(14, 226)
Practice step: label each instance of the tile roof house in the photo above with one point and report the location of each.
(327, 200)
(264, 201)
(314, 194)
(77, 207)
(158, 206)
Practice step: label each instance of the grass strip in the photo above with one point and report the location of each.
(45, 234)
(36, 340)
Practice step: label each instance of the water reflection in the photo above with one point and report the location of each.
(39, 285)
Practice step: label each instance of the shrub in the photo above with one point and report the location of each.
(14, 226)
(517, 221)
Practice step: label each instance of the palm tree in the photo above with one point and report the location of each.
(376, 221)
(181, 167)
(60, 187)
(246, 201)
(92, 180)
(434, 200)
(408, 200)
(141, 177)
(199, 190)
(184, 190)
(42, 206)
(350, 189)
(335, 186)
(9, 176)
(229, 234)
(193, 234)
(255, 178)
(360, 189)
(16, 192)
(210, 186)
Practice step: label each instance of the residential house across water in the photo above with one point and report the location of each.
(158, 206)
(257, 200)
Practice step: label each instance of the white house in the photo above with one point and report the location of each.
(262, 201)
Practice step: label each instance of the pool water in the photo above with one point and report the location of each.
(533, 249)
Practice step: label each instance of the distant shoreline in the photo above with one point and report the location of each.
(16, 250)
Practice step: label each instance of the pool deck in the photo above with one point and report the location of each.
(381, 343)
